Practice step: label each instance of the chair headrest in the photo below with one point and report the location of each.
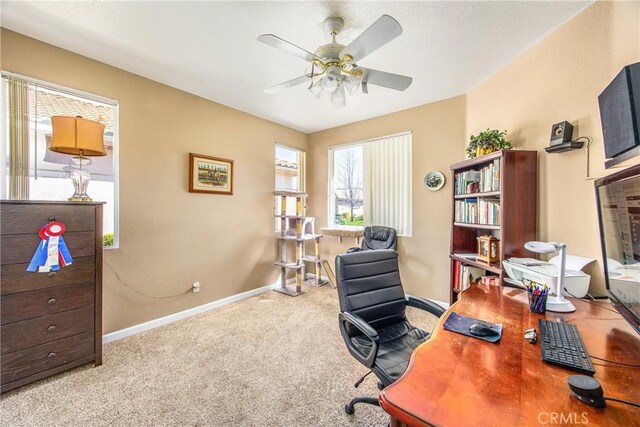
(378, 232)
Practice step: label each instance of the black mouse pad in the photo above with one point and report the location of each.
(461, 325)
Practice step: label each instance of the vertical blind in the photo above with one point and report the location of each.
(387, 182)
(18, 138)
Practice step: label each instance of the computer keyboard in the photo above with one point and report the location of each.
(560, 344)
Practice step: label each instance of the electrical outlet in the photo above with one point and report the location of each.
(195, 287)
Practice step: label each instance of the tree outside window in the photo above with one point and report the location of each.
(348, 186)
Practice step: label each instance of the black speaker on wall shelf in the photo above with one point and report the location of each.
(561, 134)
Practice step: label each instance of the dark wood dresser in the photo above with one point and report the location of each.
(50, 322)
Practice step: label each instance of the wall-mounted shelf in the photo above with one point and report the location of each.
(565, 146)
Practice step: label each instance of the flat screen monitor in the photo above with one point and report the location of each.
(618, 199)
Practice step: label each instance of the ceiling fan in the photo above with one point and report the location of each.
(333, 66)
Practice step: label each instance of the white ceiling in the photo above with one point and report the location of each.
(210, 48)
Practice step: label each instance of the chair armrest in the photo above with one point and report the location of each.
(425, 304)
(355, 249)
(367, 330)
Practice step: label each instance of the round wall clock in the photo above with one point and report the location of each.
(434, 180)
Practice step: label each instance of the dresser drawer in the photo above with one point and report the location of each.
(43, 302)
(28, 218)
(19, 248)
(28, 333)
(15, 277)
(23, 363)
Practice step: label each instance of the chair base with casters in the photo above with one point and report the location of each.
(349, 407)
(372, 320)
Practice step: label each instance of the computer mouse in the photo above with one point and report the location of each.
(587, 390)
(482, 330)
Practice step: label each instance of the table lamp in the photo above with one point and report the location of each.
(80, 138)
(554, 303)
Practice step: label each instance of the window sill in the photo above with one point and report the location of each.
(354, 232)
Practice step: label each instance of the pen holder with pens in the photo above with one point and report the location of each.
(537, 295)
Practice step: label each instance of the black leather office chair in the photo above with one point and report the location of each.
(377, 237)
(372, 316)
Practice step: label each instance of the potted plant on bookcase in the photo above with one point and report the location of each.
(487, 142)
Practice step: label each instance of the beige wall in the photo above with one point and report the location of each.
(169, 237)
(560, 79)
(225, 242)
(557, 79)
(438, 137)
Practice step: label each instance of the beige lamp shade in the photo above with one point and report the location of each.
(77, 136)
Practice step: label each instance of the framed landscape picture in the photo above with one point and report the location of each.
(210, 174)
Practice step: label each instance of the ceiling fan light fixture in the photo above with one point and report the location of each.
(338, 97)
(331, 80)
(352, 84)
(316, 88)
(334, 67)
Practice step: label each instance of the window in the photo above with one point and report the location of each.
(348, 186)
(31, 171)
(289, 164)
(290, 176)
(370, 183)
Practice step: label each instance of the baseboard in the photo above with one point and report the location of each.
(113, 336)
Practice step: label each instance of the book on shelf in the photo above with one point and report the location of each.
(484, 211)
(484, 180)
(467, 255)
(465, 275)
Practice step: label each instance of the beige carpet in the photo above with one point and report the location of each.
(271, 360)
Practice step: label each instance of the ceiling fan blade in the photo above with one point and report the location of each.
(281, 44)
(384, 79)
(288, 84)
(377, 35)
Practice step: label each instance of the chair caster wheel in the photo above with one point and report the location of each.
(350, 410)
(380, 386)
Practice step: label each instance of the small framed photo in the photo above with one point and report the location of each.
(210, 174)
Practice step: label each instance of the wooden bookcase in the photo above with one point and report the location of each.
(513, 189)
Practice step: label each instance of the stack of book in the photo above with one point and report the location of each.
(466, 211)
(489, 211)
(477, 211)
(467, 182)
(465, 275)
(484, 180)
(490, 177)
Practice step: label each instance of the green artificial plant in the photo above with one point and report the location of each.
(488, 140)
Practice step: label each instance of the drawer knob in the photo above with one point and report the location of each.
(52, 274)
(52, 301)
(51, 355)
(51, 328)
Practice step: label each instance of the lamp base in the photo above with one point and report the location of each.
(560, 305)
(80, 199)
(80, 178)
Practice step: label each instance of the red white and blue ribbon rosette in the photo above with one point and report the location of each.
(52, 252)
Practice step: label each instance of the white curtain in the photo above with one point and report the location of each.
(387, 182)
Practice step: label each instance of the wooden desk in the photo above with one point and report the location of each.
(455, 380)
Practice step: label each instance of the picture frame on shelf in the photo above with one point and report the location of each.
(213, 175)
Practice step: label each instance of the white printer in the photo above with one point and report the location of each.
(576, 282)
